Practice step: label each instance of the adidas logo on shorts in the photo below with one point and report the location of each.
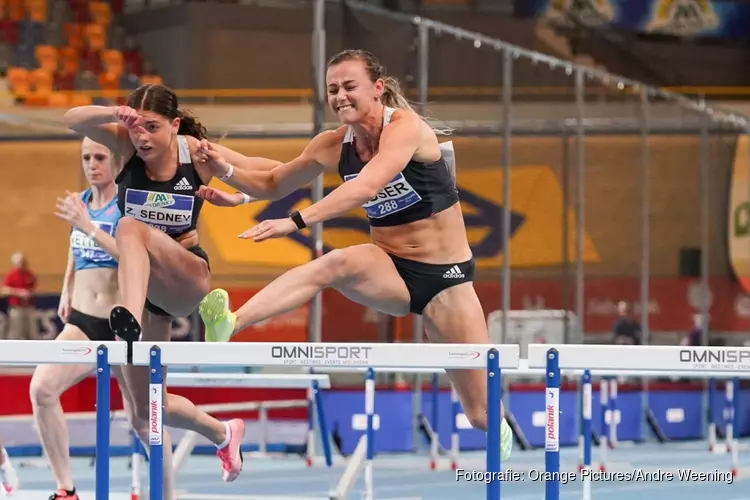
(183, 185)
(454, 272)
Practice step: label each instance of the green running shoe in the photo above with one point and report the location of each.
(506, 441)
(215, 313)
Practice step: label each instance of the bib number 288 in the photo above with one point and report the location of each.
(387, 207)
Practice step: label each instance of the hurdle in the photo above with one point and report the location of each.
(187, 444)
(729, 415)
(458, 418)
(614, 360)
(494, 358)
(101, 354)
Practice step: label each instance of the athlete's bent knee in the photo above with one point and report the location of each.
(334, 267)
(41, 394)
(477, 417)
(129, 227)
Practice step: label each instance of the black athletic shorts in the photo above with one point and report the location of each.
(94, 328)
(424, 281)
(158, 310)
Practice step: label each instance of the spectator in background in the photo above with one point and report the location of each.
(695, 337)
(626, 330)
(18, 286)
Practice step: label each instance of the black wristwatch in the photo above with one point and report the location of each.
(298, 220)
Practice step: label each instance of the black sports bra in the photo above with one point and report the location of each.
(419, 191)
(170, 206)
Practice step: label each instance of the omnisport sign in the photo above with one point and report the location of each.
(716, 359)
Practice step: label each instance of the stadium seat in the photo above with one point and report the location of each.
(15, 10)
(73, 35)
(100, 13)
(113, 61)
(46, 57)
(110, 85)
(41, 79)
(97, 42)
(18, 78)
(59, 47)
(94, 30)
(151, 79)
(37, 10)
(77, 99)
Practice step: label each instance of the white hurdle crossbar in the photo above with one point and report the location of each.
(370, 355)
(683, 361)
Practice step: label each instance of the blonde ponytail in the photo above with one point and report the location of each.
(392, 96)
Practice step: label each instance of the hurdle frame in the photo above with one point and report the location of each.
(372, 355)
(632, 360)
(102, 355)
(458, 418)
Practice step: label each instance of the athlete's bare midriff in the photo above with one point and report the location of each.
(440, 239)
(95, 291)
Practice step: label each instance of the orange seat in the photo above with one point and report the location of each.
(73, 35)
(69, 60)
(15, 10)
(18, 79)
(39, 96)
(76, 99)
(58, 100)
(151, 79)
(109, 83)
(20, 90)
(113, 61)
(94, 29)
(97, 41)
(100, 13)
(37, 10)
(68, 54)
(47, 57)
(41, 80)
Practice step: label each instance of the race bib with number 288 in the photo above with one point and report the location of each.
(398, 195)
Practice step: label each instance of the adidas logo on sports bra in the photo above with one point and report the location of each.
(182, 185)
(454, 272)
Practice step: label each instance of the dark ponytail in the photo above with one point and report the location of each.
(162, 100)
(189, 125)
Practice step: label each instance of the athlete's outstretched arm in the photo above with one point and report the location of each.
(398, 143)
(265, 179)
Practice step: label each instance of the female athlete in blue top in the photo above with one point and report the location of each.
(89, 291)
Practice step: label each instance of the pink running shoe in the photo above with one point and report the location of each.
(231, 454)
